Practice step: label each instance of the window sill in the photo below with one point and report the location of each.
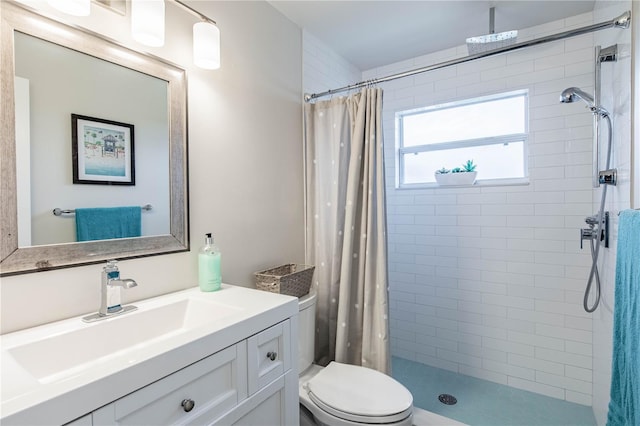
(479, 184)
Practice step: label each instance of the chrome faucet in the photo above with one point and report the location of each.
(110, 286)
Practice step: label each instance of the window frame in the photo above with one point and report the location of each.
(401, 150)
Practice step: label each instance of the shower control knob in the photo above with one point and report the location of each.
(588, 234)
(272, 355)
(188, 404)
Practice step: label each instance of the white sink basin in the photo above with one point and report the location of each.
(58, 372)
(70, 351)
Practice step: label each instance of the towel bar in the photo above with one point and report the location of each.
(633, 209)
(59, 212)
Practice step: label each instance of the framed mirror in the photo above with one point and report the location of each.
(74, 102)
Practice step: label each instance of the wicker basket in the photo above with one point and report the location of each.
(291, 279)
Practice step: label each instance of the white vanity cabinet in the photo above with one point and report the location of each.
(190, 357)
(248, 383)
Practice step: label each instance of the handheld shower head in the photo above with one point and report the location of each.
(572, 94)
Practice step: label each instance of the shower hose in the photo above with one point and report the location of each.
(595, 242)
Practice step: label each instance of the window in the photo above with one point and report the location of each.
(491, 131)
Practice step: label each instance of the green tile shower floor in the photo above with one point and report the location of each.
(484, 403)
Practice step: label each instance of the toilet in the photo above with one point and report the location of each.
(341, 394)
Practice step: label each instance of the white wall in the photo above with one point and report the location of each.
(245, 164)
(616, 98)
(488, 281)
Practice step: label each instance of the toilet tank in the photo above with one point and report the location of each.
(306, 331)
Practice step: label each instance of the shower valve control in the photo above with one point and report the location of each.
(588, 234)
(595, 232)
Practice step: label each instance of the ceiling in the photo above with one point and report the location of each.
(373, 33)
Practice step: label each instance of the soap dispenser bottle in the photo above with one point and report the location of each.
(209, 268)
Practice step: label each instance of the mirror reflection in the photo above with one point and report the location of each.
(76, 83)
(102, 130)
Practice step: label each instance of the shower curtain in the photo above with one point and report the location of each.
(346, 230)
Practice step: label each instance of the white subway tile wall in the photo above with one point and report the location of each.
(322, 68)
(487, 281)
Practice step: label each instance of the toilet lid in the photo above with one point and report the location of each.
(360, 394)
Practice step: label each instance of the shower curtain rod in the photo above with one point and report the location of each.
(621, 21)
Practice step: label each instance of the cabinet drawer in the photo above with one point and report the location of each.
(215, 385)
(268, 355)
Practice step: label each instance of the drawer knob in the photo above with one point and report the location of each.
(188, 404)
(272, 355)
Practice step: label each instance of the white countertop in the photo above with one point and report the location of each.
(57, 399)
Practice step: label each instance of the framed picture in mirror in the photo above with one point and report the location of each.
(103, 151)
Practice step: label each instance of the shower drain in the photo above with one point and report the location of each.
(447, 399)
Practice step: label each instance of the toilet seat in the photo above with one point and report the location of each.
(359, 394)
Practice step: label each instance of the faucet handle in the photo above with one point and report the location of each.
(110, 272)
(112, 265)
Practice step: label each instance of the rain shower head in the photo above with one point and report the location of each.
(572, 94)
(491, 41)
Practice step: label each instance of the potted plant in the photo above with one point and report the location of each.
(465, 175)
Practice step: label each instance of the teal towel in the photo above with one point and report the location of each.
(624, 405)
(106, 223)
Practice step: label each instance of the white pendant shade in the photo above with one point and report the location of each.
(206, 45)
(72, 7)
(147, 22)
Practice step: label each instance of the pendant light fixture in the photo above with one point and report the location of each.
(206, 45)
(72, 7)
(147, 22)
(148, 26)
(206, 40)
